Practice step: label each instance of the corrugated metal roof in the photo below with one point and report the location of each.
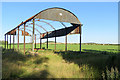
(58, 14)
(55, 14)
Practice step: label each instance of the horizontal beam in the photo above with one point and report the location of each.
(59, 32)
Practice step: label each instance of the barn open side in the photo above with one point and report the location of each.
(54, 14)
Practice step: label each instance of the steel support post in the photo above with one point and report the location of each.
(33, 34)
(35, 41)
(40, 41)
(47, 40)
(80, 36)
(18, 38)
(55, 39)
(66, 41)
(80, 43)
(13, 41)
(24, 38)
(5, 41)
(10, 41)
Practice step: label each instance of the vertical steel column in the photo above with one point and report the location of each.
(80, 36)
(65, 37)
(55, 39)
(66, 41)
(40, 41)
(33, 34)
(80, 43)
(31, 43)
(24, 38)
(13, 41)
(35, 41)
(47, 40)
(18, 38)
(10, 41)
(7, 41)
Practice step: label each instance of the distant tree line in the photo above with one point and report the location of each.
(3, 42)
(97, 44)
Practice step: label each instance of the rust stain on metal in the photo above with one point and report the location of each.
(54, 14)
(58, 14)
(26, 33)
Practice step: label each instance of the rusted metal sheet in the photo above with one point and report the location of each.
(12, 32)
(26, 33)
(55, 14)
(60, 32)
(75, 31)
(15, 28)
(58, 14)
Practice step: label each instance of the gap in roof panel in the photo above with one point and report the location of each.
(38, 24)
(56, 24)
(67, 24)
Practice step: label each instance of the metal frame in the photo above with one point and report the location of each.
(65, 36)
(10, 41)
(33, 34)
(5, 41)
(24, 38)
(13, 41)
(35, 29)
(46, 23)
(41, 15)
(18, 38)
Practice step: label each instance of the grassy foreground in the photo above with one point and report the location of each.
(97, 61)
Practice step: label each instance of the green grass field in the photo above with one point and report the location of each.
(95, 61)
(71, 47)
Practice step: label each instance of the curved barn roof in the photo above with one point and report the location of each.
(54, 14)
(58, 14)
